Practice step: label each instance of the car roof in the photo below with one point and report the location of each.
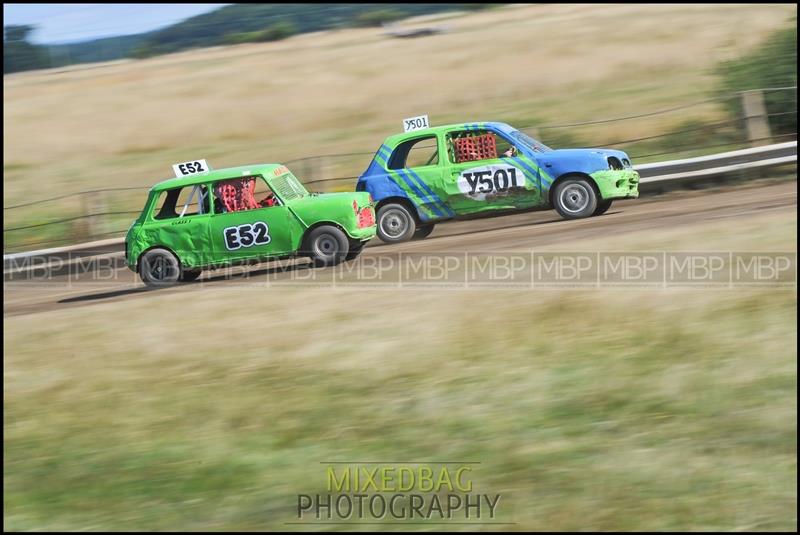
(435, 130)
(217, 174)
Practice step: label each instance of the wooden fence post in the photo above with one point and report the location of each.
(93, 203)
(756, 118)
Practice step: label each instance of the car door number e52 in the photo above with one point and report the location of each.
(246, 235)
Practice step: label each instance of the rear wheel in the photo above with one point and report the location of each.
(159, 268)
(575, 198)
(395, 223)
(327, 246)
(423, 232)
(602, 207)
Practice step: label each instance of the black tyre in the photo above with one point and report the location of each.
(355, 250)
(159, 268)
(602, 207)
(327, 246)
(395, 223)
(190, 275)
(423, 232)
(575, 198)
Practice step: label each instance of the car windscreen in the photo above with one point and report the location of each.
(288, 187)
(529, 142)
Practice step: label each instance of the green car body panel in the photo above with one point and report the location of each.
(205, 240)
(443, 189)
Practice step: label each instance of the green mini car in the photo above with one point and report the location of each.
(427, 175)
(208, 219)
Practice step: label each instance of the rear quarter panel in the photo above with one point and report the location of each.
(421, 188)
(188, 238)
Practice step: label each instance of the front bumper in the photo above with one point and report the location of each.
(365, 227)
(622, 184)
(363, 234)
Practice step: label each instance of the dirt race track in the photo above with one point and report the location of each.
(513, 233)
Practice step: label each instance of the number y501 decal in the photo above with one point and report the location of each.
(480, 182)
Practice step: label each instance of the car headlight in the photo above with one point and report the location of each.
(615, 164)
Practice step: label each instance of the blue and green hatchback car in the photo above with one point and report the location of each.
(432, 174)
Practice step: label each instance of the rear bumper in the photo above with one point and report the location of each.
(622, 184)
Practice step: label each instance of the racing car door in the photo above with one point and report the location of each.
(249, 221)
(485, 173)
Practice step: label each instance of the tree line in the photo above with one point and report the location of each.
(233, 24)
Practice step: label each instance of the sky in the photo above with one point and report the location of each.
(68, 23)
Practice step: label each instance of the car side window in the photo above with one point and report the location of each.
(417, 152)
(472, 146)
(183, 202)
(242, 194)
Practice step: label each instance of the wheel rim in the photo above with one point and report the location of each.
(326, 245)
(394, 223)
(160, 269)
(574, 198)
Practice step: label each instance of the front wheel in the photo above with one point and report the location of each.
(423, 232)
(602, 207)
(355, 250)
(575, 198)
(327, 246)
(395, 223)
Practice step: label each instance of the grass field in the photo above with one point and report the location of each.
(588, 410)
(125, 123)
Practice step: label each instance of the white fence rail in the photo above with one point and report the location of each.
(766, 156)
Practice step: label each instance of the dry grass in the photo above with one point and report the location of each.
(589, 410)
(125, 123)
